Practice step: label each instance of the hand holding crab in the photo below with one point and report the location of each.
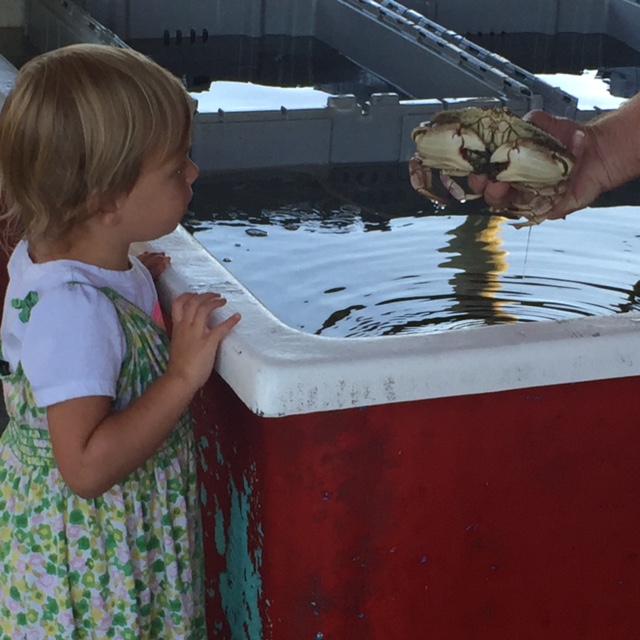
(495, 142)
(605, 151)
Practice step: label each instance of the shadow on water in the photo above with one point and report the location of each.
(331, 195)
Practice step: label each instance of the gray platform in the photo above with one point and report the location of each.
(408, 46)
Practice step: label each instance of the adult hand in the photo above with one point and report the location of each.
(587, 181)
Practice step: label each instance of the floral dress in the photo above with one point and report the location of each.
(127, 564)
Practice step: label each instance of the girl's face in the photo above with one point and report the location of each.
(159, 198)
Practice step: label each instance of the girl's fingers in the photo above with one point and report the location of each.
(195, 308)
(222, 329)
(155, 262)
(178, 306)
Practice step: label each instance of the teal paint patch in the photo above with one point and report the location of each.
(219, 534)
(203, 494)
(219, 455)
(217, 628)
(241, 584)
(203, 444)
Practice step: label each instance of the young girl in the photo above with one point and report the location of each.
(99, 526)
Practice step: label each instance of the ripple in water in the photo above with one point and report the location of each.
(347, 270)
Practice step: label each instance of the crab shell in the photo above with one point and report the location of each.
(496, 142)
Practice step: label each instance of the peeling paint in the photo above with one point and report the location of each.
(219, 456)
(241, 583)
(219, 535)
(202, 445)
(217, 628)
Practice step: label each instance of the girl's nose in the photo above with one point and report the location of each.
(192, 171)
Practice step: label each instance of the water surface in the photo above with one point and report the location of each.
(382, 260)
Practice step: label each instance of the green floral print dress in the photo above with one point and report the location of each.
(127, 564)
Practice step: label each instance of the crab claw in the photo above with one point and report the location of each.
(528, 162)
(450, 148)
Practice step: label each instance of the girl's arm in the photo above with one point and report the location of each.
(96, 448)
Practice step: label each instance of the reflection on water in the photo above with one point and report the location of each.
(356, 252)
(474, 250)
(560, 52)
(15, 46)
(277, 61)
(595, 68)
(568, 60)
(624, 82)
(590, 87)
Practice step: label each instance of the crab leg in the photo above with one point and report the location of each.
(456, 190)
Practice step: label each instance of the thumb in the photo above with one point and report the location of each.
(577, 143)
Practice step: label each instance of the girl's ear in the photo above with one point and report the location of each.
(106, 212)
(110, 218)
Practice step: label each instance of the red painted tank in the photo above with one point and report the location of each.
(502, 515)
(480, 483)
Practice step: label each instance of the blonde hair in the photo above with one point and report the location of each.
(76, 130)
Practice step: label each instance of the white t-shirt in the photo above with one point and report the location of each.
(73, 345)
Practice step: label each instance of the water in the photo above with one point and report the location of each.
(558, 53)
(597, 69)
(15, 46)
(275, 61)
(384, 261)
(355, 251)
(582, 64)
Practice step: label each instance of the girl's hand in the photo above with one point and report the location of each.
(155, 261)
(194, 342)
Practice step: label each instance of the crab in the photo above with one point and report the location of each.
(496, 142)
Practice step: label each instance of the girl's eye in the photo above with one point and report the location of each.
(182, 167)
